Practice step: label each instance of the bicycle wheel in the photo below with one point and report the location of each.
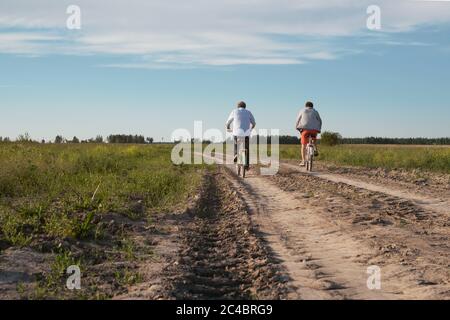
(310, 157)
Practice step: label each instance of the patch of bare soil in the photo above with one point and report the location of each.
(20, 266)
(109, 264)
(402, 238)
(419, 181)
(221, 256)
(122, 255)
(430, 202)
(211, 251)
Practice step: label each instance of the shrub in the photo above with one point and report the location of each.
(330, 138)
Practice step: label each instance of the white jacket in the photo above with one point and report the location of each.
(243, 122)
(309, 119)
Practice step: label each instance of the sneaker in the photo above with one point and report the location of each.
(235, 159)
(302, 164)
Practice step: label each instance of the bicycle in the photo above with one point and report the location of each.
(310, 150)
(241, 163)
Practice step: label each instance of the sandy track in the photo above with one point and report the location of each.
(210, 251)
(323, 261)
(326, 242)
(221, 257)
(400, 236)
(429, 203)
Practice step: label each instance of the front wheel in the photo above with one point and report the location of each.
(310, 165)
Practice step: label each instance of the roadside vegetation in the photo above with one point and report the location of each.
(55, 199)
(427, 158)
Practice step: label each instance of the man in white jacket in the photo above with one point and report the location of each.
(243, 124)
(309, 124)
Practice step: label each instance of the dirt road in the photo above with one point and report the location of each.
(297, 235)
(328, 229)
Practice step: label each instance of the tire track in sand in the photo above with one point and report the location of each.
(323, 261)
(428, 203)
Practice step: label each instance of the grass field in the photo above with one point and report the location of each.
(43, 187)
(430, 158)
(54, 193)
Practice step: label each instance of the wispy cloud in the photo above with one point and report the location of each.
(29, 43)
(160, 33)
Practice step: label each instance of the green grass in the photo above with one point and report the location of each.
(127, 277)
(427, 158)
(59, 190)
(53, 199)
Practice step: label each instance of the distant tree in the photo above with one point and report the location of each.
(330, 138)
(43, 141)
(24, 137)
(98, 139)
(402, 141)
(75, 140)
(289, 140)
(149, 140)
(6, 139)
(59, 139)
(122, 138)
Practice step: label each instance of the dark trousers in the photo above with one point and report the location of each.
(247, 146)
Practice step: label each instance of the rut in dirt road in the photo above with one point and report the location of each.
(324, 260)
(221, 257)
(318, 258)
(401, 237)
(327, 234)
(439, 205)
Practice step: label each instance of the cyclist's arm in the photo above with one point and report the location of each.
(230, 120)
(299, 118)
(252, 121)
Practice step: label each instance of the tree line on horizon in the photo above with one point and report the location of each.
(113, 138)
(403, 141)
(334, 138)
(331, 138)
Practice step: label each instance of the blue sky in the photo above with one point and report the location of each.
(152, 67)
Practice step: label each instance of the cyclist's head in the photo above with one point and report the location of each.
(309, 104)
(241, 104)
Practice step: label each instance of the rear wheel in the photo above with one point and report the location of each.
(244, 162)
(310, 158)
